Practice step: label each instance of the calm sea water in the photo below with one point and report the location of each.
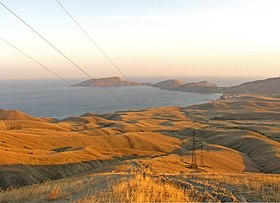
(52, 98)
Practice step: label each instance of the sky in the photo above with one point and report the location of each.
(143, 37)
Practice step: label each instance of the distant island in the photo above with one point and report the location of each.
(268, 86)
(107, 82)
(198, 87)
(173, 85)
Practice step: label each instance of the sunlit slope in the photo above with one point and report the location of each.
(15, 115)
(34, 150)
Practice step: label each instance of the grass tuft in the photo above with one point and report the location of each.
(54, 194)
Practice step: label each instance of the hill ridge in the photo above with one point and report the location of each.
(265, 86)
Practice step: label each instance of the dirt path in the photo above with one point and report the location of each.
(202, 192)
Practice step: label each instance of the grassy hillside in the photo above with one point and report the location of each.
(104, 157)
(268, 86)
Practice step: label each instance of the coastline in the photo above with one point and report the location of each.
(63, 101)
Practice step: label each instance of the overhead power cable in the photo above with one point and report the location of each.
(34, 60)
(93, 41)
(97, 46)
(61, 53)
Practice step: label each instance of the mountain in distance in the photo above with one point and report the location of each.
(169, 84)
(201, 87)
(268, 86)
(107, 82)
(198, 87)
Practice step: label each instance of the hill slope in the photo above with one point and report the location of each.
(198, 87)
(159, 138)
(169, 84)
(267, 86)
(16, 115)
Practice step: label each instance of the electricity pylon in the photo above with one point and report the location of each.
(201, 155)
(194, 162)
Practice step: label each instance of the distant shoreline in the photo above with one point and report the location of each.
(224, 81)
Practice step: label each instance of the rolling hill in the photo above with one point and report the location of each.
(198, 87)
(268, 86)
(16, 115)
(155, 141)
(169, 84)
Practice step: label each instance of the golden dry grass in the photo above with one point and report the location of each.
(139, 189)
(110, 187)
(252, 187)
(68, 189)
(157, 140)
(54, 194)
(97, 188)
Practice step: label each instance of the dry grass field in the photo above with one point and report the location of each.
(133, 187)
(145, 155)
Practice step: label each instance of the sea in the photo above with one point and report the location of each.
(53, 98)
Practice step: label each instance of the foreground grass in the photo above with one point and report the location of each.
(69, 189)
(244, 187)
(96, 188)
(122, 187)
(140, 189)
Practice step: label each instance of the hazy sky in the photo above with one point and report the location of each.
(144, 37)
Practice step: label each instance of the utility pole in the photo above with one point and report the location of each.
(201, 155)
(194, 163)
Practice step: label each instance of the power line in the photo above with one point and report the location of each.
(98, 46)
(60, 52)
(93, 41)
(71, 61)
(34, 60)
